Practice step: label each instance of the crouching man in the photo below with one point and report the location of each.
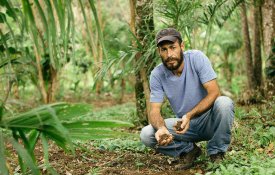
(188, 81)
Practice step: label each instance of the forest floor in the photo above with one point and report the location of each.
(251, 151)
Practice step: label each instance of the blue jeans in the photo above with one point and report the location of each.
(213, 126)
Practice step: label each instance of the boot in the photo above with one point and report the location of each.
(189, 158)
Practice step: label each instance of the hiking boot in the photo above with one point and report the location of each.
(217, 158)
(189, 158)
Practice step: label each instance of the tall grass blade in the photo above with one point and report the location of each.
(3, 168)
(30, 23)
(46, 155)
(86, 23)
(26, 144)
(53, 33)
(100, 34)
(22, 152)
(33, 137)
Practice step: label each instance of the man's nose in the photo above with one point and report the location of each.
(169, 53)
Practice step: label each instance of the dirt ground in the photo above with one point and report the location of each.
(91, 160)
(96, 161)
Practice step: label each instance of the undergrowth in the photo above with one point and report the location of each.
(251, 150)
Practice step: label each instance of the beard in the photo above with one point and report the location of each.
(178, 62)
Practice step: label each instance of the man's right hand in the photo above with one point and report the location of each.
(163, 136)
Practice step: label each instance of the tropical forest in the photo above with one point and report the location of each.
(75, 84)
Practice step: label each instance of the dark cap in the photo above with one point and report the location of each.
(168, 34)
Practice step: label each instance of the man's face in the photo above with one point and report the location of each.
(171, 54)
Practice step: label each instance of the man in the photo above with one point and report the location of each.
(188, 81)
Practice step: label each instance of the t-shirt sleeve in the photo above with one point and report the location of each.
(157, 93)
(204, 68)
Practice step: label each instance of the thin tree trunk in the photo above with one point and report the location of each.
(144, 30)
(257, 47)
(228, 74)
(99, 49)
(122, 90)
(268, 19)
(247, 44)
(41, 82)
(146, 89)
(16, 90)
(52, 85)
(140, 101)
(268, 14)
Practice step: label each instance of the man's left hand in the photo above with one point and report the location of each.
(184, 125)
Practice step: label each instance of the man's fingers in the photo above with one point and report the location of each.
(157, 137)
(166, 141)
(184, 130)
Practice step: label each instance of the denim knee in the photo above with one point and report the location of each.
(224, 104)
(147, 136)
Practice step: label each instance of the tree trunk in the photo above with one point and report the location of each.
(99, 49)
(146, 89)
(247, 45)
(16, 90)
(142, 26)
(268, 14)
(138, 83)
(228, 74)
(41, 82)
(52, 85)
(257, 47)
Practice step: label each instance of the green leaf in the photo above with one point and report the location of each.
(70, 111)
(1, 112)
(33, 137)
(3, 168)
(53, 134)
(23, 153)
(10, 10)
(96, 133)
(97, 124)
(2, 17)
(100, 34)
(46, 155)
(26, 143)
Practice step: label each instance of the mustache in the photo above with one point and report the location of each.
(170, 59)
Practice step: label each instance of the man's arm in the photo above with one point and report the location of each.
(162, 135)
(213, 92)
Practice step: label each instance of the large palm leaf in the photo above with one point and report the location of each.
(58, 122)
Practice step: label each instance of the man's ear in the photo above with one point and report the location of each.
(182, 45)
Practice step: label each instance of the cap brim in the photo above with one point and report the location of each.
(167, 38)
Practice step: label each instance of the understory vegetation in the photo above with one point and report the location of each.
(75, 83)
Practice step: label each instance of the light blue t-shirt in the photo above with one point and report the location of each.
(186, 91)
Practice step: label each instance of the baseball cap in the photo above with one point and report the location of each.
(168, 34)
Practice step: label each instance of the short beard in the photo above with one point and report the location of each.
(178, 61)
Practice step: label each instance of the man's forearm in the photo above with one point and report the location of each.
(203, 105)
(156, 120)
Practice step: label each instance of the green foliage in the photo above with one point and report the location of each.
(91, 130)
(255, 166)
(57, 122)
(265, 136)
(251, 153)
(124, 112)
(3, 168)
(133, 145)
